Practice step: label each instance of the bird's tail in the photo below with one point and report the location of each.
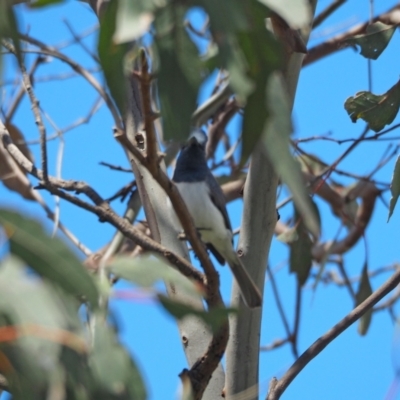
(250, 293)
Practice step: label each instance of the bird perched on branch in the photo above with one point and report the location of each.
(206, 203)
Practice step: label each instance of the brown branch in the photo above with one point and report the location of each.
(296, 325)
(332, 334)
(50, 51)
(275, 344)
(19, 96)
(337, 43)
(101, 208)
(329, 10)
(201, 371)
(35, 109)
(218, 126)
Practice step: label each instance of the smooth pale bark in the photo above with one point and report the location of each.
(258, 222)
(194, 334)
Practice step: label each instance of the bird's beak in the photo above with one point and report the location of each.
(192, 140)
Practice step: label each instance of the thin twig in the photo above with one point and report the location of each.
(101, 208)
(333, 333)
(19, 96)
(278, 301)
(46, 50)
(329, 10)
(35, 109)
(296, 324)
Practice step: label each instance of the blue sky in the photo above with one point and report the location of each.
(352, 366)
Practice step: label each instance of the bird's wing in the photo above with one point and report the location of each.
(218, 198)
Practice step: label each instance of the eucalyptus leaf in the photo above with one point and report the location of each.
(375, 40)
(115, 373)
(213, 318)
(44, 3)
(134, 18)
(112, 57)
(364, 291)
(44, 320)
(49, 257)
(9, 27)
(377, 110)
(180, 73)
(147, 271)
(300, 251)
(276, 142)
(296, 13)
(394, 187)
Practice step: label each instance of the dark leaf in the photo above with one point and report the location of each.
(301, 251)
(276, 142)
(394, 187)
(49, 257)
(377, 111)
(375, 40)
(213, 318)
(9, 26)
(44, 3)
(179, 74)
(42, 320)
(112, 57)
(364, 291)
(116, 375)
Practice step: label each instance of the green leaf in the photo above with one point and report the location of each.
(134, 18)
(364, 291)
(276, 142)
(179, 75)
(301, 251)
(375, 40)
(296, 13)
(394, 188)
(112, 57)
(49, 257)
(47, 320)
(114, 370)
(44, 3)
(377, 110)
(213, 318)
(147, 271)
(249, 52)
(9, 27)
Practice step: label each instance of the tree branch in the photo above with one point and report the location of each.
(332, 334)
(391, 17)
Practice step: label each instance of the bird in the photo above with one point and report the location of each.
(205, 201)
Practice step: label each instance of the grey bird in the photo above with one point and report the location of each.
(206, 203)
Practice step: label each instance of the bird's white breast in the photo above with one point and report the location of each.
(207, 218)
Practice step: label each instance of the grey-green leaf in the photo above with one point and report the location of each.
(375, 40)
(49, 257)
(112, 57)
(276, 143)
(48, 322)
(179, 75)
(114, 370)
(9, 27)
(296, 13)
(301, 251)
(147, 271)
(134, 18)
(364, 291)
(394, 187)
(213, 318)
(377, 110)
